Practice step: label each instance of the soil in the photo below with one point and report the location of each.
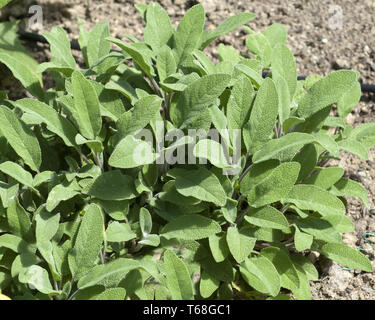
(324, 36)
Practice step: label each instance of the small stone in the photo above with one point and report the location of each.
(350, 119)
(324, 40)
(339, 278)
(313, 256)
(350, 239)
(362, 174)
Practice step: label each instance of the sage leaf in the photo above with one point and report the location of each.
(346, 256)
(178, 279)
(190, 227)
(21, 138)
(88, 242)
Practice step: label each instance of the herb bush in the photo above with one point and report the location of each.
(90, 211)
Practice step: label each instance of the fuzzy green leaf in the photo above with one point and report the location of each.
(346, 256)
(131, 153)
(86, 106)
(178, 278)
(261, 274)
(88, 242)
(259, 128)
(190, 227)
(309, 197)
(326, 92)
(191, 110)
(113, 185)
(275, 186)
(239, 243)
(21, 138)
(54, 121)
(201, 184)
(188, 33)
(229, 25)
(158, 29)
(267, 217)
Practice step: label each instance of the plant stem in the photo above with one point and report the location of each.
(245, 172)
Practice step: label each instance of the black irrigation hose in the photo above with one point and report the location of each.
(29, 36)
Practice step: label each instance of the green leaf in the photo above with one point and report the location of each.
(23, 71)
(191, 110)
(349, 100)
(213, 151)
(145, 221)
(327, 142)
(119, 232)
(201, 184)
(145, 110)
(302, 241)
(239, 104)
(267, 217)
(113, 185)
(18, 173)
(355, 147)
(190, 227)
(276, 35)
(159, 29)
(229, 25)
(303, 263)
(179, 282)
(16, 244)
(3, 3)
(309, 197)
(259, 128)
(326, 177)
(346, 187)
(219, 247)
(21, 138)
(166, 63)
(326, 92)
(252, 74)
(86, 106)
(261, 274)
(88, 242)
(16, 57)
(112, 294)
(284, 65)
(284, 97)
(111, 104)
(47, 225)
(239, 243)
(365, 134)
(140, 57)
(55, 122)
(61, 192)
(284, 148)
(104, 274)
(207, 285)
(97, 45)
(188, 33)
(275, 186)
(37, 277)
(284, 266)
(320, 229)
(259, 45)
(131, 153)
(346, 256)
(62, 59)
(19, 220)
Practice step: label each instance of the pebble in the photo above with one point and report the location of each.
(339, 278)
(350, 239)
